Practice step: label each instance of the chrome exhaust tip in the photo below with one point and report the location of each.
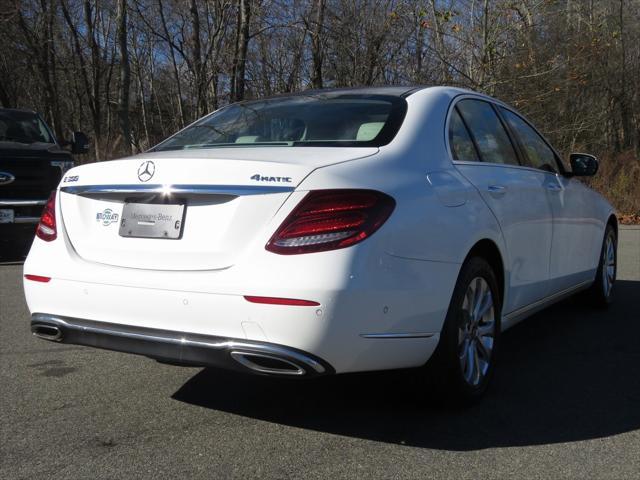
(269, 364)
(47, 332)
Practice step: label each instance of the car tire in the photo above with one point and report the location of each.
(463, 363)
(602, 290)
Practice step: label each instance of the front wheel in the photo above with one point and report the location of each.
(602, 289)
(463, 363)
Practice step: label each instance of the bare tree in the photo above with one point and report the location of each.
(132, 71)
(125, 76)
(240, 52)
(317, 45)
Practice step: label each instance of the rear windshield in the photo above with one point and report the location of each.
(302, 120)
(23, 127)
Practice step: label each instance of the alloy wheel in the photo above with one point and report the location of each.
(476, 334)
(608, 265)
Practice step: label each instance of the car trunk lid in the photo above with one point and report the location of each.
(229, 197)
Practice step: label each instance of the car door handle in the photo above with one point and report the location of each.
(497, 190)
(554, 187)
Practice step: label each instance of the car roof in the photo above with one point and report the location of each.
(393, 91)
(399, 91)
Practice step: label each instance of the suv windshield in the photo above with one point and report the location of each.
(23, 127)
(344, 120)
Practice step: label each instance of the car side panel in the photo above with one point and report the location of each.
(525, 218)
(580, 216)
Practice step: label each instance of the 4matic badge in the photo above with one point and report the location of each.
(107, 217)
(265, 178)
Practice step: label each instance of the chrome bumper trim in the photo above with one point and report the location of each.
(397, 335)
(179, 347)
(232, 190)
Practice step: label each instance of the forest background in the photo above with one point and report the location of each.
(131, 72)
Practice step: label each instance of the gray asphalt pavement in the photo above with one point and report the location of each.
(565, 404)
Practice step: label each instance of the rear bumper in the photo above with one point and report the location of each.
(181, 347)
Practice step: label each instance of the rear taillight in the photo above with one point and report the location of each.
(47, 227)
(331, 219)
(281, 301)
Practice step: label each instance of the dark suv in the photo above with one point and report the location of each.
(32, 162)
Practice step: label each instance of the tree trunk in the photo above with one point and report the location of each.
(174, 63)
(4, 97)
(198, 67)
(240, 54)
(439, 43)
(625, 107)
(317, 54)
(96, 70)
(125, 77)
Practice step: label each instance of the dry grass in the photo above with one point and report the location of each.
(619, 181)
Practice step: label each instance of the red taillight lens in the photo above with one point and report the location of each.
(331, 219)
(47, 227)
(37, 278)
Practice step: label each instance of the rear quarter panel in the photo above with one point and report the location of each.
(417, 254)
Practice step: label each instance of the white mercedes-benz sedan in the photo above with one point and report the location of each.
(324, 232)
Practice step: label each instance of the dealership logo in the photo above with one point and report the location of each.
(107, 217)
(146, 171)
(6, 178)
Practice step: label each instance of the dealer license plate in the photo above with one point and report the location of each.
(150, 220)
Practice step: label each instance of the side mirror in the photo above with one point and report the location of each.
(79, 143)
(583, 164)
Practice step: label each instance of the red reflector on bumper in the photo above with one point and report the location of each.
(37, 278)
(281, 301)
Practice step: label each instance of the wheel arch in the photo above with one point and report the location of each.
(489, 250)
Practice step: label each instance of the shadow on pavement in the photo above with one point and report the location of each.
(569, 373)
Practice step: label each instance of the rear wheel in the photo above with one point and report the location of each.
(463, 363)
(601, 291)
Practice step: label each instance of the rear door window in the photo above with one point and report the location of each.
(487, 131)
(462, 146)
(538, 154)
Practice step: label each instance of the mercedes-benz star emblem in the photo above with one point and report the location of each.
(146, 171)
(6, 178)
